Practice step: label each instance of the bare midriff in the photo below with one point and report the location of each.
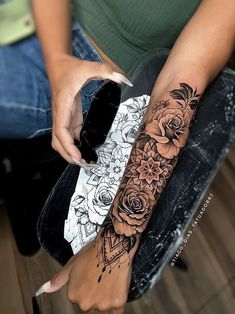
(105, 57)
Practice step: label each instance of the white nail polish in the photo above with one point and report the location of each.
(43, 288)
(122, 78)
(77, 162)
(85, 165)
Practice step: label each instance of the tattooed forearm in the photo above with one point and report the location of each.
(163, 133)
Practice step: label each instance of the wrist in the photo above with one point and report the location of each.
(114, 244)
(55, 60)
(58, 66)
(190, 74)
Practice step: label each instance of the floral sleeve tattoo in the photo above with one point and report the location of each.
(162, 134)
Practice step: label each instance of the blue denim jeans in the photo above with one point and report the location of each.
(25, 95)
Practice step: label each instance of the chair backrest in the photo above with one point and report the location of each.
(211, 135)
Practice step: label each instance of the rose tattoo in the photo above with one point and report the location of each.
(131, 210)
(162, 134)
(170, 129)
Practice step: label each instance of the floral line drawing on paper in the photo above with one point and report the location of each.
(96, 189)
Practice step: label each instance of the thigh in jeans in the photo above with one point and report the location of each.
(83, 49)
(25, 97)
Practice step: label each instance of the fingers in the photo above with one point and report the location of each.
(68, 149)
(78, 119)
(118, 311)
(67, 115)
(120, 78)
(67, 126)
(114, 307)
(60, 279)
(57, 146)
(105, 71)
(67, 142)
(112, 311)
(57, 282)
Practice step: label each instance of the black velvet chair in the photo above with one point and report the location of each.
(28, 171)
(212, 133)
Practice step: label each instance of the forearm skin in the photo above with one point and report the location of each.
(163, 133)
(200, 52)
(53, 25)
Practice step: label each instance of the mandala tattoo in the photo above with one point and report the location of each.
(162, 134)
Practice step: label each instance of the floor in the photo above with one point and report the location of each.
(208, 287)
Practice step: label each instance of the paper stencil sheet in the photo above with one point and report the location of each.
(96, 188)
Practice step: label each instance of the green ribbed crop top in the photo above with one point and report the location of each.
(125, 29)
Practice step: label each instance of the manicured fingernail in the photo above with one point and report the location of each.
(74, 160)
(77, 162)
(44, 288)
(83, 164)
(122, 78)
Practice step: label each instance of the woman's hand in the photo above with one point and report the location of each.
(81, 273)
(67, 76)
